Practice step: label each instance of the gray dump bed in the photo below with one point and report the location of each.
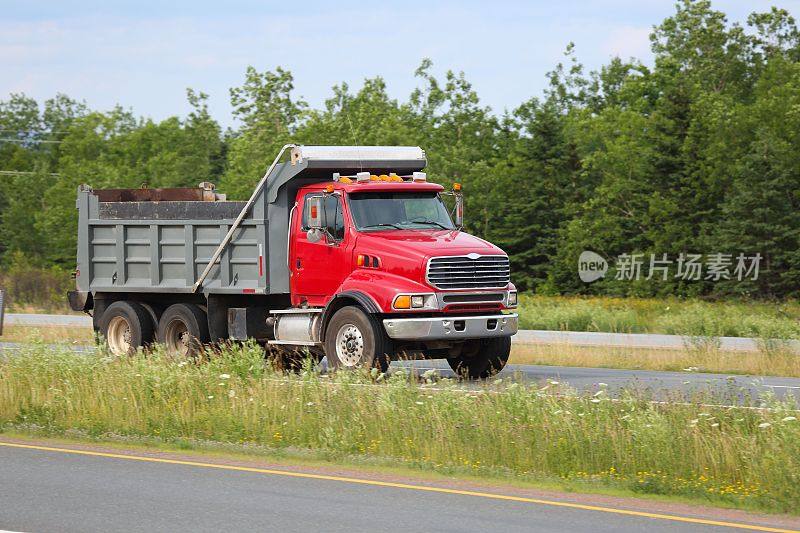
(152, 240)
(161, 240)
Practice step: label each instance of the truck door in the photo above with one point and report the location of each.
(318, 268)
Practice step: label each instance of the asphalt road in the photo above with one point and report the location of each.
(675, 386)
(46, 491)
(526, 336)
(723, 388)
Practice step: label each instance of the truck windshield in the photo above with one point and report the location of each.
(376, 211)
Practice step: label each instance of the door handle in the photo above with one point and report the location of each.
(299, 264)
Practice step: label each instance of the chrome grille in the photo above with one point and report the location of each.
(469, 272)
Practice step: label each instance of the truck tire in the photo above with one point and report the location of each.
(483, 359)
(354, 339)
(126, 326)
(183, 330)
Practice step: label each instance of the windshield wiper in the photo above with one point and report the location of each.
(382, 225)
(426, 221)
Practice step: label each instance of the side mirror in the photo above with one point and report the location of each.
(459, 215)
(314, 206)
(314, 235)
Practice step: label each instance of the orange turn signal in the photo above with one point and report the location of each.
(456, 186)
(329, 188)
(402, 302)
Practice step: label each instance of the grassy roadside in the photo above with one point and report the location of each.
(669, 315)
(777, 362)
(48, 334)
(722, 456)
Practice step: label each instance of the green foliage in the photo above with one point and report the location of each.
(696, 154)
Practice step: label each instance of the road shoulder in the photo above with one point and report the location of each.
(408, 479)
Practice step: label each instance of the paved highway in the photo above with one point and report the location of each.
(719, 388)
(527, 336)
(55, 490)
(662, 385)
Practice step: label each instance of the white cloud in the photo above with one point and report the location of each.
(628, 41)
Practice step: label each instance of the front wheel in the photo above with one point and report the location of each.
(354, 339)
(482, 358)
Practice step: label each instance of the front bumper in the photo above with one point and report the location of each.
(451, 327)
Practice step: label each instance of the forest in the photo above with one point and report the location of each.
(696, 151)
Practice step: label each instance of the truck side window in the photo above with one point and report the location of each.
(332, 216)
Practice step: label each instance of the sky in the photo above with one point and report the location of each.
(144, 54)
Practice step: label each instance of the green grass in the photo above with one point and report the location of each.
(663, 315)
(728, 456)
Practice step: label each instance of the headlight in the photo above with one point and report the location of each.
(415, 301)
(512, 298)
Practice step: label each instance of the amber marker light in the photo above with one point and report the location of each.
(402, 302)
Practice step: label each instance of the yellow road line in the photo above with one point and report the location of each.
(554, 503)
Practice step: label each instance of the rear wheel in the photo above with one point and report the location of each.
(183, 330)
(354, 339)
(126, 326)
(482, 358)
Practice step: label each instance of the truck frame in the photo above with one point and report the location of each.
(341, 251)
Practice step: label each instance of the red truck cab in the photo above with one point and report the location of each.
(432, 289)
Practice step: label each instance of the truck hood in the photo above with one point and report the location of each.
(406, 252)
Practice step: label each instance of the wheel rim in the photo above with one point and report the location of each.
(119, 336)
(349, 345)
(177, 338)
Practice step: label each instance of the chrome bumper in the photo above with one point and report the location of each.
(451, 327)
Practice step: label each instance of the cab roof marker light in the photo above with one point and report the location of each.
(420, 176)
(362, 177)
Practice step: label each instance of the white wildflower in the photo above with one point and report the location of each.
(224, 376)
(309, 404)
(419, 403)
(210, 396)
(231, 393)
(789, 419)
(715, 425)
(764, 425)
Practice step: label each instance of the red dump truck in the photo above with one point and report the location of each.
(341, 251)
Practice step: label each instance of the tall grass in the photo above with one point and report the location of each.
(664, 315)
(742, 457)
